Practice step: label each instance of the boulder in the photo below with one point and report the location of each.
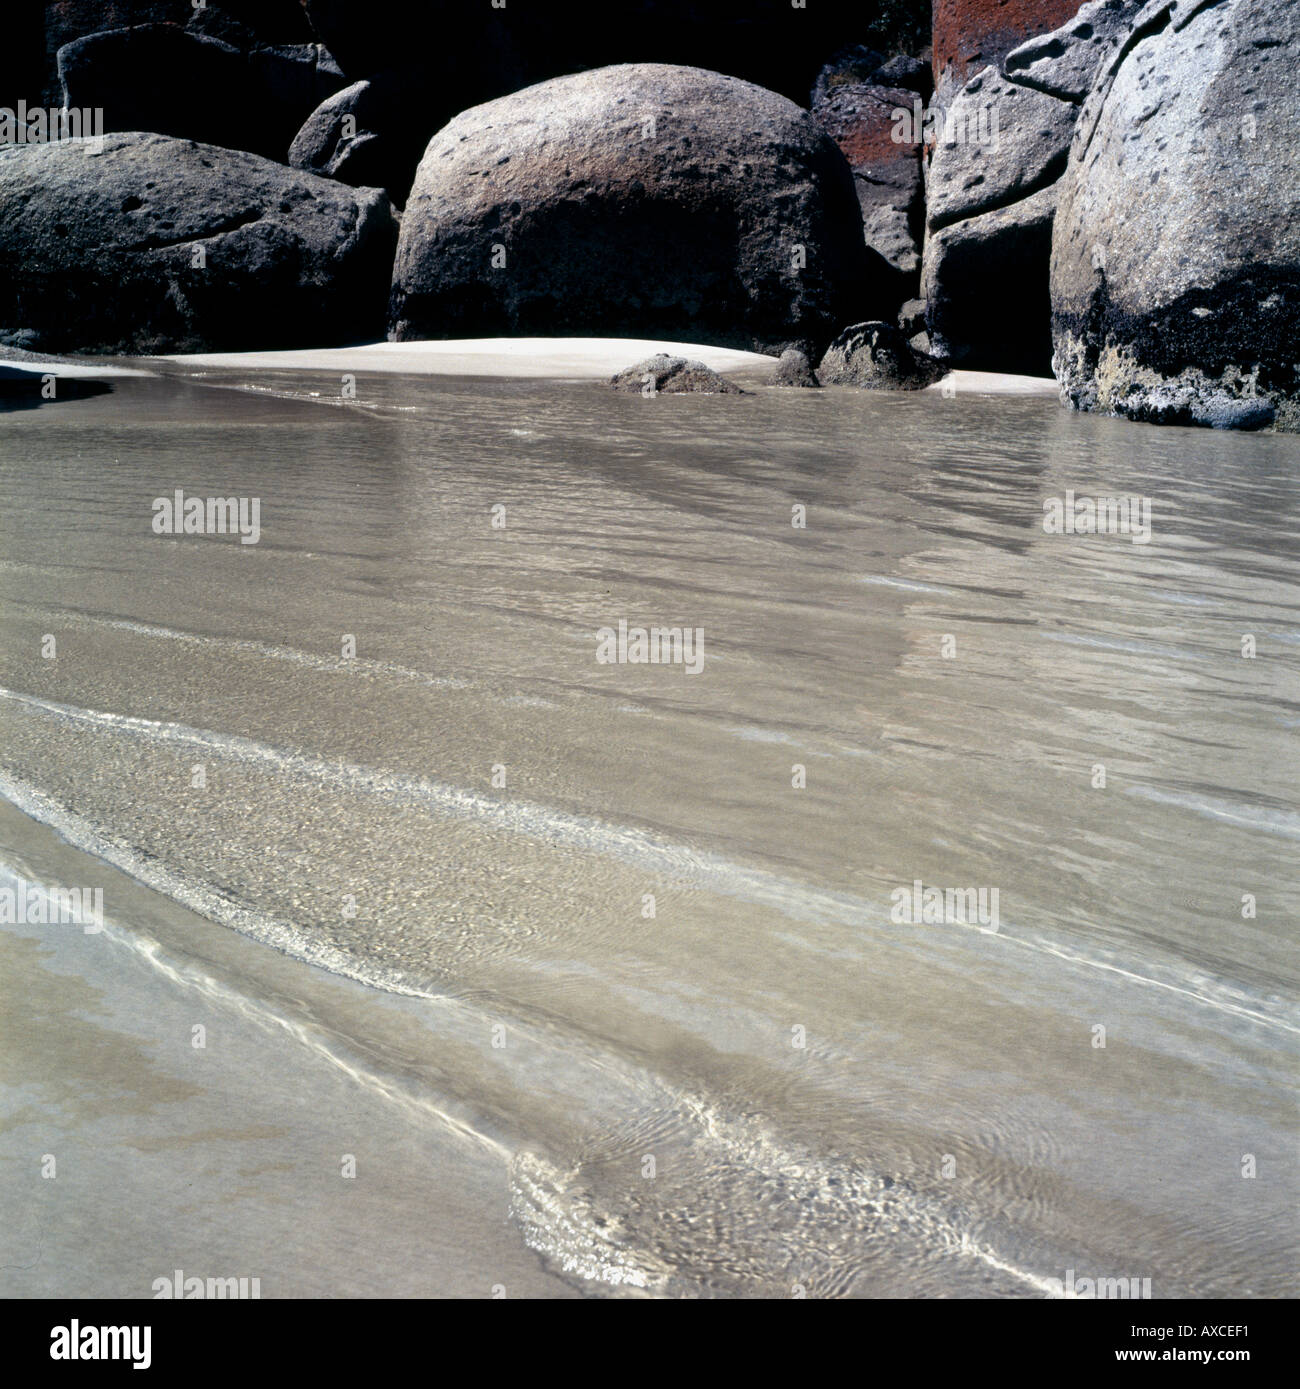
(1175, 274)
(970, 35)
(169, 80)
(1065, 62)
(1002, 146)
(986, 289)
(665, 375)
(862, 120)
(794, 369)
(1001, 143)
(371, 135)
(877, 357)
(632, 201)
(149, 244)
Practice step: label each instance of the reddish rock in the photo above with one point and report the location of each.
(886, 172)
(971, 34)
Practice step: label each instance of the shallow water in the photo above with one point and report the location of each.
(835, 1102)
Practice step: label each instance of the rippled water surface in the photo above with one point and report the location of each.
(634, 923)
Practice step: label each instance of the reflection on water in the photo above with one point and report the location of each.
(380, 739)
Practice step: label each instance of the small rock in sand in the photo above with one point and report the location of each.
(672, 376)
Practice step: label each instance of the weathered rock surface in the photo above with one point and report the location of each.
(1176, 254)
(1002, 143)
(640, 200)
(886, 174)
(665, 375)
(1064, 63)
(794, 369)
(876, 356)
(970, 35)
(150, 244)
(372, 134)
(171, 81)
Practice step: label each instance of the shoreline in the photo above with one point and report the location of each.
(564, 359)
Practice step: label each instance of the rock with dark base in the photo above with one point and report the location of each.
(794, 369)
(150, 244)
(628, 202)
(877, 357)
(1176, 252)
(665, 375)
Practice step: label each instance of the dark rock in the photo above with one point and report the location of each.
(772, 43)
(164, 79)
(863, 122)
(850, 67)
(1065, 62)
(371, 135)
(909, 73)
(911, 318)
(664, 375)
(150, 244)
(794, 369)
(1175, 275)
(876, 356)
(986, 289)
(632, 201)
(62, 21)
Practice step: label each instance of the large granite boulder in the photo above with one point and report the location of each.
(148, 244)
(1176, 252)
(172, 81)
(640, 200)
